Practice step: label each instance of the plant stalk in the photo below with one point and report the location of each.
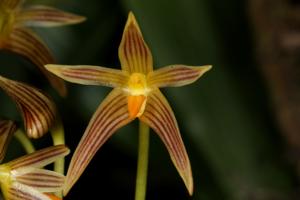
(25, 141)
(142, 165)
(58, 137)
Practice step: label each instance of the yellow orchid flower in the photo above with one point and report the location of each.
(37, 109)
(136, 94)
(16, 37)
(23, 177)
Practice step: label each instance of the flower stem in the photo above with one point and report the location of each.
(142, 165)
(25, 141)
(58, 137)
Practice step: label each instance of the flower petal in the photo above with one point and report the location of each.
(40, 158)
(7, 128)
(37, 109)
(134, 53)
(111, 115)
(25, 43)
(176, 75)
(159, 116)
(90, 75)
(40, 179)
(11, 4)
(45, 16)
(18, 191)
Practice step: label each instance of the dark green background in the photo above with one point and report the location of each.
(225, 118)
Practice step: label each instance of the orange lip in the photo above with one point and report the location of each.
(136, 105)
(53, 197)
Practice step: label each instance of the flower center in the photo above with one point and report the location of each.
(137, 84)
(137, 94)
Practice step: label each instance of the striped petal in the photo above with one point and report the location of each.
(90, 75)
(40, 158)
(11, 4)
(176, 75)
(134, 53)
(37, 109)
(25, 43)
(109, 117)
(44, 16)
(40, 179)
(7, 128)
(159, 116)
(18, 191)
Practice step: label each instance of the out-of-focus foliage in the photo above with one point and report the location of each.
(226, 123)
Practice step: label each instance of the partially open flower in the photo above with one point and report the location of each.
(24, 178)
(136, 94)
(37, 109)
(16, 37)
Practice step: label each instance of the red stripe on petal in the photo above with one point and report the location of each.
(40, 158)
(134, 53)
(37, 109)
(25, 43)
(7, 129)
(89, 75)
(110, 116)
(176, 75)
(45, 16)
(159, 116)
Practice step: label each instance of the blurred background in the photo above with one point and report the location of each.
(240, 122)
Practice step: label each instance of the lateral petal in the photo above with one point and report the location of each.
(11, 4)
(26, 43)
(18, 191)
(159, 116)
(40, 179)
(45, 16)
(37, 109)
(134, 53)
(7, 129)
(111, 115)
(176, 75)
(40, 158)
(90, 75)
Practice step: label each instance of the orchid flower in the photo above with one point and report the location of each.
(136, 94)
(16, 37)
(37, 109)
(23, 177)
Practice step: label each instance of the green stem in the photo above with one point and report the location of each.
(25, 141)
(58, 137)
(142, 165)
